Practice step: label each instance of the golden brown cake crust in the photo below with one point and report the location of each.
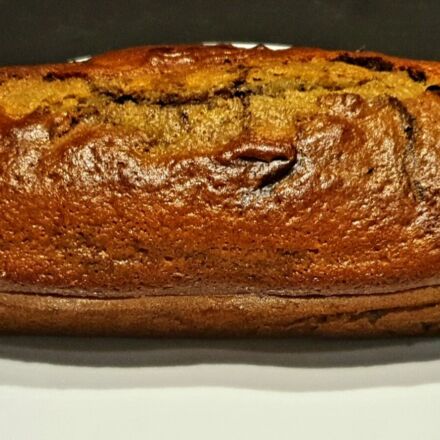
(198, 190)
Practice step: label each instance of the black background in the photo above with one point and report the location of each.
(45, 31)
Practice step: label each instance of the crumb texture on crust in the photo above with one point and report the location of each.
(216, 171)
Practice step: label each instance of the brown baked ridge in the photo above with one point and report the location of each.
(221, 191)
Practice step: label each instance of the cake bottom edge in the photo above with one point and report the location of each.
(410, 312)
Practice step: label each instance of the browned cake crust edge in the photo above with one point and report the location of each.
(412, 312)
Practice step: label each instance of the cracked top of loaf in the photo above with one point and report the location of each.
(217, 170)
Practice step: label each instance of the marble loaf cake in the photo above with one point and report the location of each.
(217, 191)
